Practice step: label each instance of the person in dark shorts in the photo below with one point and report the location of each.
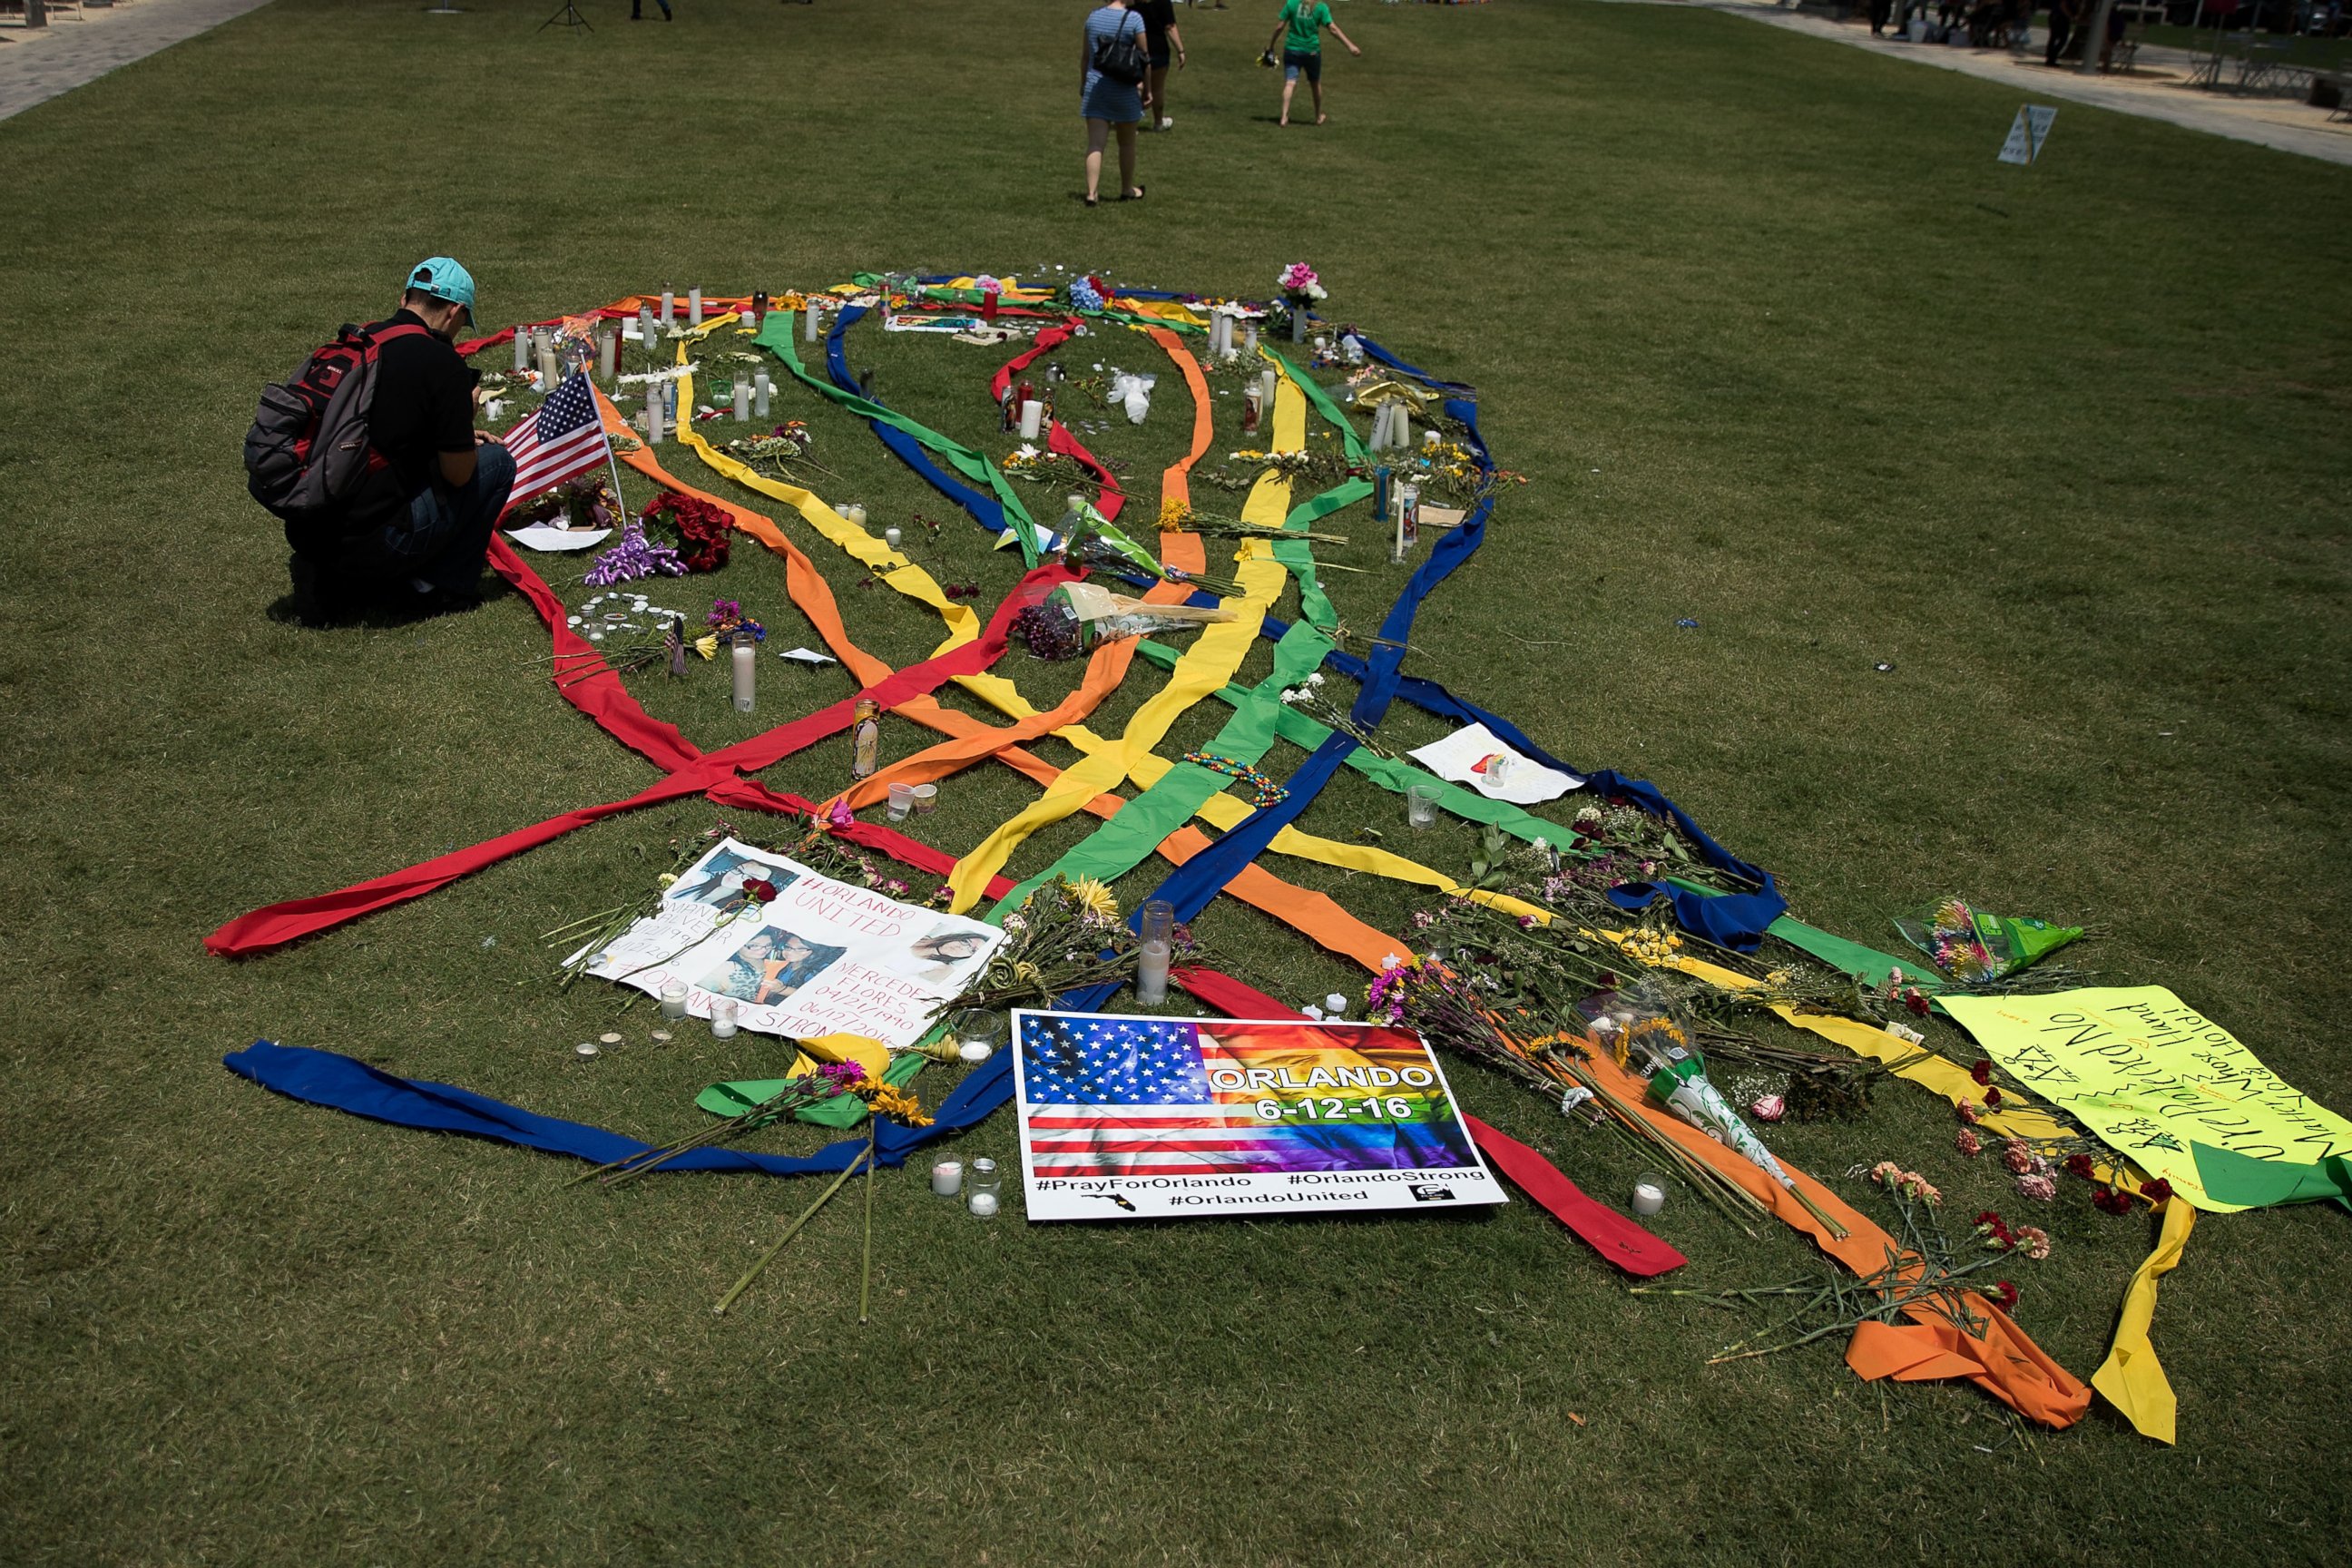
(424, 552)
(1299, 33)
(1163, 42)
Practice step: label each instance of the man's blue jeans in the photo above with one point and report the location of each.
(444, 536)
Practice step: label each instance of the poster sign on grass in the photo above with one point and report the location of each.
(1130, 1117)
(822, 957)
(2162, 1085)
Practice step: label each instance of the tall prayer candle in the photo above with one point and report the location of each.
(652, 412)
(645, 326)
(1249, 339)
(694, 307)
(759, 389)
(815, 322)
(522, 349)
(742, 401)
(1265, 382)
(1032, 415)
(550, 373)
(1401, 429)
(669, 308)
(1152, 961)
(608, 353)
(747, 671)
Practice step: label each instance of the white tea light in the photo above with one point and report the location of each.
(722, 1018)
(983, 1206)
(947, 1177)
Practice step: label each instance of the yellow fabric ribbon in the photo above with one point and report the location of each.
(1204, 668)
(2131, 1378)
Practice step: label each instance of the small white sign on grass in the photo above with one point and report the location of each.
(2026, 136)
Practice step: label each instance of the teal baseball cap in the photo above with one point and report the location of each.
(445, 280)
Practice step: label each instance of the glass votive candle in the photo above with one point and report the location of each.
(902, 801)
(1649, 1193)
(947, 1177)
(978, 1033)
(722, 1018)
(1421, 805)
(673, 999)
(891, 536)
(985, 1188)
(927, 799)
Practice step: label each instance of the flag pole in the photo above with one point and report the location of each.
(612, 463)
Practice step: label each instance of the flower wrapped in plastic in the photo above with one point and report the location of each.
(1066, 621)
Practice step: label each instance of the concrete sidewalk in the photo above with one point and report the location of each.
(38, 64)
(2154, 90)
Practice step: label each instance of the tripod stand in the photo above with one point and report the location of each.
(569, 16)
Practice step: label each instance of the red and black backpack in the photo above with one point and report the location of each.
(307, 457)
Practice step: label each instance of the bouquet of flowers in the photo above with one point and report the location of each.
(702, 532)
(1300, 284)
(1065, 622)
(1971, 947)
(586, 501)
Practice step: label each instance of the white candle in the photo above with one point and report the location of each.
(673, 999)
(890, 536)
(927, 799)
(694, 307)
(947, 1177)
(550, 373)
(608, 353)
(652, 412)
(645, 325)
(669, 308)
(983, 1206)
(1649, 1195)
(747, 671)
(742, 401)
(760, 387)
(1401, 428)
(1266, 390)
(522, 349)
(1156, 927)
(722, 1018)
(902, 801)
(857, 513)
(1033, 418)
(815, 322)
(1249, 339)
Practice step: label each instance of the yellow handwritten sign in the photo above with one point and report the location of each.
(2151, 1077)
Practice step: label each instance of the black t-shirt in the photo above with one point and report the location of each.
(1158, 16)
(424, 402)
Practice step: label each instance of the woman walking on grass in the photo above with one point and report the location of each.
(1300, 34)
(1108, 103)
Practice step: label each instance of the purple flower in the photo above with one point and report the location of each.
(633, 557)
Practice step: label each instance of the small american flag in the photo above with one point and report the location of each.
(565, 438)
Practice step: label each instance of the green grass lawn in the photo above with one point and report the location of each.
(1786, 351)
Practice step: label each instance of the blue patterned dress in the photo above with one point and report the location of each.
(1103, 98)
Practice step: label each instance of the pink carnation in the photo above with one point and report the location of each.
(2016, 1155)
(1969, 1143)
(2034, 1239)
(2040, 1188)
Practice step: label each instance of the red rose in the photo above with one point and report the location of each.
(1992, 1099)
(1981, 1072)
(2081, 1165)
(2004, 1295)
(755, 888)
(2157, 1191)
(1916, 1001)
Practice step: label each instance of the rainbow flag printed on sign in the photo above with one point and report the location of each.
(1123, 1117)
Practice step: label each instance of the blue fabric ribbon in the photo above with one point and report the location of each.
(985, 509)
(344, 1083)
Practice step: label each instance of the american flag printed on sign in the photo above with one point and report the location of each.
(1164, 1097)
(564, 439)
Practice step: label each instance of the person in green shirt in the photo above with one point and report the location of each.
(1299, 32)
